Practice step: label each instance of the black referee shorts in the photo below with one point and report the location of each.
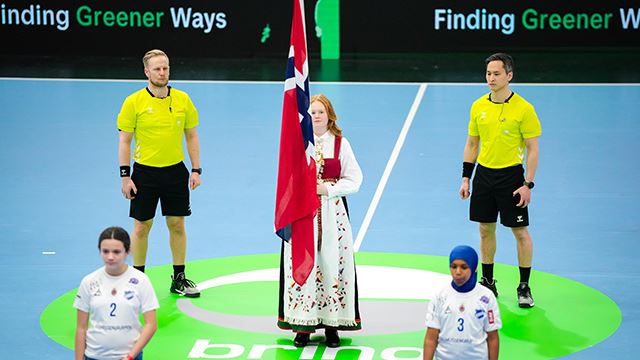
(168, 184)
(492, 194)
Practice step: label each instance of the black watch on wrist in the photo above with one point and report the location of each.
(528, 184)
(197, 170)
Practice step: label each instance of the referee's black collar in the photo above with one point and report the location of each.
(168, 91)
(506, 101)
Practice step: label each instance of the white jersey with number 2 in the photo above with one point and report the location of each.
(114, 304)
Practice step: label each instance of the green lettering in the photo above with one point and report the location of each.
(534, 20)
(607, 17)
(122, 19)
(96, 22)
(158, 16)
(108, 18)
(148, 19)
(82, 18)
(134, 17)
(529, 19)
(89, 17)
(542, 17)
(596, 21)
(554, 21)
(568, 21)
(583, 21)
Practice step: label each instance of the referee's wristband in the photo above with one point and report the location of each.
(125, 171)
(467, 169)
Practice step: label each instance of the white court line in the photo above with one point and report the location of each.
(48, 253)
(390, 164)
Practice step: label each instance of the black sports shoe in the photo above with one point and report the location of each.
(332, 339)
(490, 285)
(183, 286)
(301, 340)
(525, 300)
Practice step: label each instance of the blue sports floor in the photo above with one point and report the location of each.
(60, 185)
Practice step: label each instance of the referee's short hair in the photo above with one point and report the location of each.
(115, 233)
(152, 53)
(506, 59)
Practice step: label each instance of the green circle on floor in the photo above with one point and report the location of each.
(235, 318)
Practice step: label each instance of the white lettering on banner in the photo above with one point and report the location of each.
(631, 17)
(197, 20)
(390, 353)
(366, 352)
(199, 350)
(235, 351)
(258, 350)
(476, 20)
(34, 16)
(308, 352)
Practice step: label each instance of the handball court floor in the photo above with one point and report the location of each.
(61, 188)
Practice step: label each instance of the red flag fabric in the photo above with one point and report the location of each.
(296, 199)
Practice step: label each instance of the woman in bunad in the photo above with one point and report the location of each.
(329, 297)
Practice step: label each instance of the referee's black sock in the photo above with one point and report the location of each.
(525, 272)
(177, 269)
(141, 268)
(487, 272)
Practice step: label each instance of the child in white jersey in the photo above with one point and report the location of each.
(463, 319)
(113, 297)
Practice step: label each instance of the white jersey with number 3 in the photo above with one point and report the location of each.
(114, 304)
(463, 320)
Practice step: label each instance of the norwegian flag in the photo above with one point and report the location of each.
(296, 199)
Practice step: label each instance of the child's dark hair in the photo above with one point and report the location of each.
(115, 233)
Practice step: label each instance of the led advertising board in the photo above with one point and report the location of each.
(200, 28)
(487, 25)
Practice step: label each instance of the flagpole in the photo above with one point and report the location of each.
(296, 198)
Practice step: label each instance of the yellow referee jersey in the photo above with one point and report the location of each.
(157, 125)
(502, 129)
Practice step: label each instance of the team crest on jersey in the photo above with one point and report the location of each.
(129, 294)
(133, 281)
(461, 308)
(480, 313)
(484, 299)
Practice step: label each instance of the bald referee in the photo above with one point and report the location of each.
(502, 125)
(157, 117)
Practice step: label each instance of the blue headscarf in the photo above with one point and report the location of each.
(470, 256)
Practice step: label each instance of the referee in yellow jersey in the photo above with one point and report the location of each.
(502, 126)
(157, 117)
